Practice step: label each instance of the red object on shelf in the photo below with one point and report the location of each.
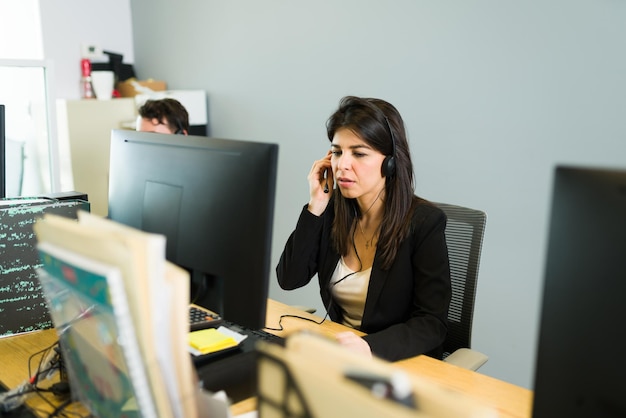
(86, 88)
(85, 66)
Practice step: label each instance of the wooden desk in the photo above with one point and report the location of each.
(15, 352)
(510, 400)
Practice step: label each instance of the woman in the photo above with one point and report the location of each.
(379, 251)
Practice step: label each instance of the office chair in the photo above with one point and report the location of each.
(464, 235)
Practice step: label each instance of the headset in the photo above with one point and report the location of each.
(389, 163)
(180, 130)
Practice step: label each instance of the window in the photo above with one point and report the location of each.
(20, 20)
(25, 79)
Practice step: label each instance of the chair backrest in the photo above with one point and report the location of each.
(464, 235)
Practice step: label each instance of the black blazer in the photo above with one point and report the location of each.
(406, 307)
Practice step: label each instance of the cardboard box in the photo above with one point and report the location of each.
(129, 88)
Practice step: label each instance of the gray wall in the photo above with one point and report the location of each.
(494, 94)
(66, 24)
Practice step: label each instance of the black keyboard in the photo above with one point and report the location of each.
(200, 318)
(247, 345)
(234, 370)
(256, 334)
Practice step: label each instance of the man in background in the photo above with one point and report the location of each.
(165, 116)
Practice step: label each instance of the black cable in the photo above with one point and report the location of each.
(43, 353)
(30, 385)
(57, 388)
(356, 252)
(330, 286)
(5, 398)
(280, 320)
(59, 409)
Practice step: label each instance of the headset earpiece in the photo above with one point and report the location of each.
(389, 163)
(389, 166)
(180, 130)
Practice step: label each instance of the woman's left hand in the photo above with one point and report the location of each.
(355, 343)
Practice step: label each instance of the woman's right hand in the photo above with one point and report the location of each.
(321, 183)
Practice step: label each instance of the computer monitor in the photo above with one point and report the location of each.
(213, 199)
(581, 364)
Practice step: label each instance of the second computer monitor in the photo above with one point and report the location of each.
(580, 364)
(213, 199)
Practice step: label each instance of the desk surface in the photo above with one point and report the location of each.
(510, 400)
(15, 352)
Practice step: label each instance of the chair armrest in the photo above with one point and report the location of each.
(467, 358)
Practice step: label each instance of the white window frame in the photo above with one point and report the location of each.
(51, 117)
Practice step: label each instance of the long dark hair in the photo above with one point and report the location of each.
(375, 121)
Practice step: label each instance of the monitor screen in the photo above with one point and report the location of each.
(580, 364)
(213, 199)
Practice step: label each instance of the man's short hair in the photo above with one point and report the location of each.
(167, 111)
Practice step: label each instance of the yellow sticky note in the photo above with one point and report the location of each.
(210, 340)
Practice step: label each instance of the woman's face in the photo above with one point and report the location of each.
(356, 166)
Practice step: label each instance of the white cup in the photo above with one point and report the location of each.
(103, 83)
